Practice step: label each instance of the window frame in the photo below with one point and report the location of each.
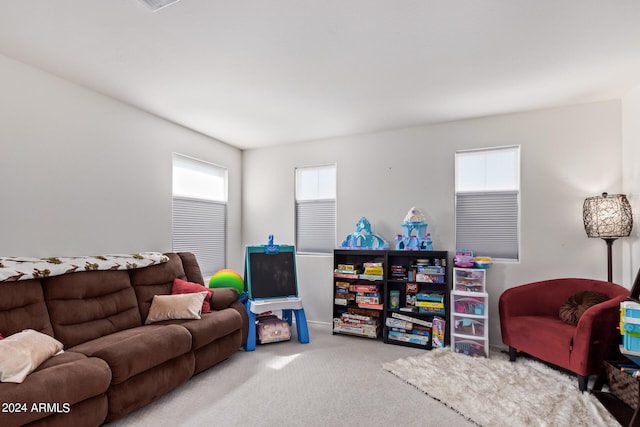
(193, 211)
(305, 206)
(506, 198)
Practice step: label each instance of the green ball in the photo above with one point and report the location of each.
(227, 279)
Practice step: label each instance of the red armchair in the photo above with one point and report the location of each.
(530, 323)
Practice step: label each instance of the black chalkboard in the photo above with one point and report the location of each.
(270, 275)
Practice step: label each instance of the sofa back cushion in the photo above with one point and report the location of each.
(155, 280)
(90, 304)
(191, 267)
(22, 306)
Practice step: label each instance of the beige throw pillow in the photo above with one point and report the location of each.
(179, 306)
(22, 353)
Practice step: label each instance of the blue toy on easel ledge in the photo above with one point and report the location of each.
(364, 238)
(414, 235)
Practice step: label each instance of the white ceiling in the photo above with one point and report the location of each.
(254, 73)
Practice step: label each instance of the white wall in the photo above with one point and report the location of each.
(84, 174)
(568, 154)
(631, 180)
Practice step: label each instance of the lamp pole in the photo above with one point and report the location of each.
(609, 241)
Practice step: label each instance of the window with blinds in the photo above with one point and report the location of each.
(316, 209)
(199, 223)
(488, 202)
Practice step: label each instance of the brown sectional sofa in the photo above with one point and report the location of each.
(113, 364)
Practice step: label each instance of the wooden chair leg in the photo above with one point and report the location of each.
(512, 354)
(583, 381)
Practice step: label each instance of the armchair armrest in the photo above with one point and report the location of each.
(595, 335)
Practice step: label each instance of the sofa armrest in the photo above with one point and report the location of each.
(223, 298)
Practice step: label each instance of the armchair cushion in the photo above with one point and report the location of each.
(578, 303)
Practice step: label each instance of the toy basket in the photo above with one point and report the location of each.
(622, 385)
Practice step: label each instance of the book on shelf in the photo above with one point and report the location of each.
(368, 294)
(398, 323)
(432, 269)
(371, 306)
(411, 319)
(429, 304)
(360, 287)
(364, 311)
(368, 331)
(345, 275)
(431, 310)
(359, 319)
(347, 267)
(427, 296)
(411, 293)
(429, 278)
(409, 338)
(437, 337)
(374, 271)
(370, 277)
(343, 285)
(356, 324)
(367, 300)
(424, 332)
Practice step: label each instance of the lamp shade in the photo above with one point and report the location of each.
(607, 216)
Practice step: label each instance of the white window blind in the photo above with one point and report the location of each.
(316, 209)
(488, 202)
(199, 223)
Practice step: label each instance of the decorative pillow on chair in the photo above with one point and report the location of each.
(23, 352)
(183, 287)
(181, 306)
(577, 304)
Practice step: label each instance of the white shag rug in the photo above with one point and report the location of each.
(497, 392)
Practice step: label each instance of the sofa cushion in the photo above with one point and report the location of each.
(23, 352)
(155, 280)
(191, 267)
(22, 306)
(87, 305)
(556, 335)
(69, 378)
(211, 326)
(180, 306)
(183, 287)
(132, 351)
(150, 385)
(575, 306)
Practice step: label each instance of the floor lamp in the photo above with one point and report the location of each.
(607, 217)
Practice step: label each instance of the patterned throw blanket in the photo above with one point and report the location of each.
(21, 268)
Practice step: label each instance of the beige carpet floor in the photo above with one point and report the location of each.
(333, 380)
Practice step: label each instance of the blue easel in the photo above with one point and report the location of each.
(271, 284)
